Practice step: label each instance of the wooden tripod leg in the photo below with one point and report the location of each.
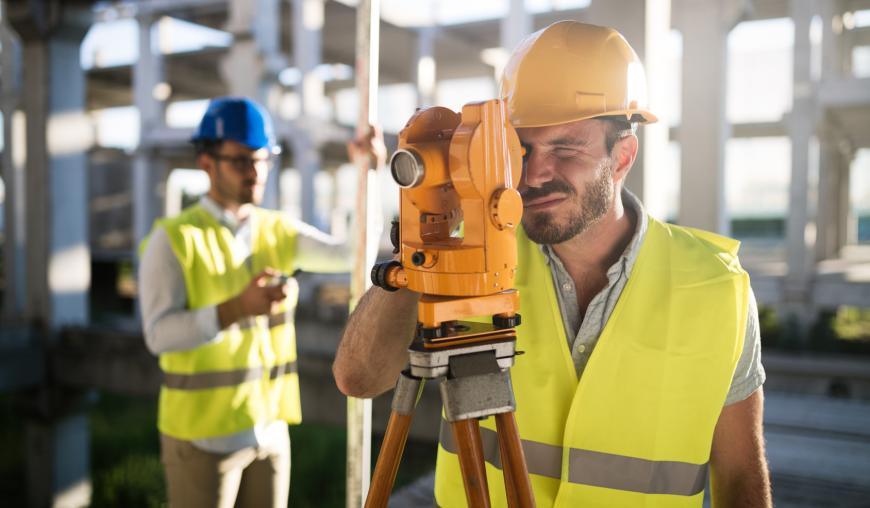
(470, 448)
(404, 401)
(388, 460)
(518, 487)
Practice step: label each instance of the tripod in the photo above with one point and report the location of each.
(472, 361)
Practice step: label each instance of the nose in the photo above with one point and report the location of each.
(536, 171)
(257, 169)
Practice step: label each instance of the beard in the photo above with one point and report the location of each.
(543, 228)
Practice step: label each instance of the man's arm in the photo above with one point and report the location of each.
(739, 467)
(168, 323)
(374, 346)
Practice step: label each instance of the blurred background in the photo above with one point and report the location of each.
(764, 136)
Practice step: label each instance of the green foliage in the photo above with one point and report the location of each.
(845, 330)
(317, 466)
(12, 479)
(135, 480)
(126, 469)
(852, 323)
(771, 329)
(125, 455)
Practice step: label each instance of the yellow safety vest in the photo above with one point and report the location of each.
(247, 375)
(637, 428)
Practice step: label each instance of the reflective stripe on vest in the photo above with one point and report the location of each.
(226, 378)
(595, 468)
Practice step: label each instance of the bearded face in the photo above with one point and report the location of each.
(579, 209)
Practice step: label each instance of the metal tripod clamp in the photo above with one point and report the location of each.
(407, 393)
(476, 387)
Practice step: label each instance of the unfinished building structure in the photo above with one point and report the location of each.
(74, 211)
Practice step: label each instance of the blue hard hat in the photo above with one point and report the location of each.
(238, 119)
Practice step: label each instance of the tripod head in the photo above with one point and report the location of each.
(459, 204)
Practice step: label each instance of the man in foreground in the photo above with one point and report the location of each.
(642, 373)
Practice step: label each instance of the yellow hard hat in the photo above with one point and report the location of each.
(572, 71)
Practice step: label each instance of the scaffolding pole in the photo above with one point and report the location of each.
(359, 411)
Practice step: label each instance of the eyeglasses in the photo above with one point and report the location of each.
(242, 162)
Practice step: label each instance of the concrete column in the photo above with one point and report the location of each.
(307, 43)
(149, 95)
(704, 127)
(251, 67)
(800, 221)
(848, 223)
(629, 18)
(835, 146)
(835, 58)
(424, 72)
(14, 260)
(656, 136)
(58, 135)
(516, 25)
(829, 238)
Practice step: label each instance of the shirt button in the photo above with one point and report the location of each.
(566, 286)
(581, 348)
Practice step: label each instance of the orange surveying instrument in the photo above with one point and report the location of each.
(456, 242)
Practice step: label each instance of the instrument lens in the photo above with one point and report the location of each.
(407, 172)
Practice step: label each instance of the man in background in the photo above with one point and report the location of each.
(217, 307)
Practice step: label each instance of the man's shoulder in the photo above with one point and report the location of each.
(192, 216)
(694, 237)
(276, 220)
(696, 248)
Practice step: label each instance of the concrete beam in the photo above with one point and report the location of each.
(845, 92)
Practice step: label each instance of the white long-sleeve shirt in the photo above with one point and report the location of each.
(169, 325)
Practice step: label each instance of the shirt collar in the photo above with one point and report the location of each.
(626, 261)
(221, 214)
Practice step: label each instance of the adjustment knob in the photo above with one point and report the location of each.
(379, 274)
(506, 208)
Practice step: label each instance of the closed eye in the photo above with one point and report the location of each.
(565, 152)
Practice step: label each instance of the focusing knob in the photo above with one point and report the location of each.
(394, 235)
(379, 274)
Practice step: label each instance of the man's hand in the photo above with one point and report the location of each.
(261, 296)
(369, 148)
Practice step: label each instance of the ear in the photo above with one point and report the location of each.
(623, 155)
(205, 163)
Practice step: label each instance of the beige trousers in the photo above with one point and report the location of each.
(248, 478)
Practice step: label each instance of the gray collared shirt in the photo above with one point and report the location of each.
(583, 331)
